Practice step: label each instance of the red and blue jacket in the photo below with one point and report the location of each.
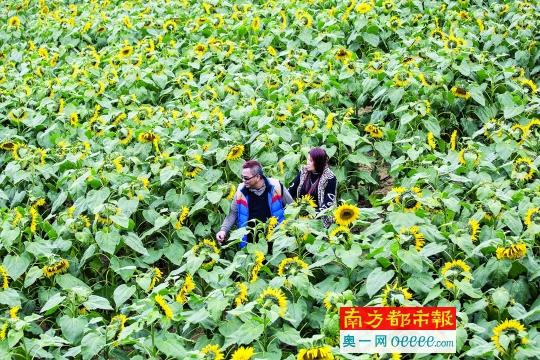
(274, 203)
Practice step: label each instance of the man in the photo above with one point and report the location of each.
(256, 198)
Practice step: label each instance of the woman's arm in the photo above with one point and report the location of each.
(329, 194)
(293, 189)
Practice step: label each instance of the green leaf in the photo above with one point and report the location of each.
(121, 220)
(53, 301)
(171, 345)
(500, 297)
(513, 221)
(16, 265)
(134, 242)
(296, 312)
(289, 335)
(467, 288)
(107, 241)
(91, 344)
(352, 257)
(411, 259)
(245, 334)
(371, 39)
(68, 282)
(10, 297)
(384, 148)
(32, 275)
(477, 93)
(122, 293)
(97, 302)
(377, 279)
(166, 174)
(72, 328)
(214, 196)
(510, 108)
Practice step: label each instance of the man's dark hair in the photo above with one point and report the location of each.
(254, 166)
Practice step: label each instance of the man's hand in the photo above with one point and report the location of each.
(220, 236)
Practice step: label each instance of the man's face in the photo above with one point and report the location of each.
(249, 178)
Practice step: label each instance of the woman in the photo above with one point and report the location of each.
(317, 180)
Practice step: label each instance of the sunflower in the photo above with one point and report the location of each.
(363, 8)
(169, 25)
(271, 295)
(304, 18)
(259, 258)
(474, 226)
(532, 217)
(529, 84)
(512, 252)
(256, 24)
(167, 311)
(182, 218)
(242, 296)
(235, 153)
(413, 233)
(453, 43)
(213, 351)
(4, 276)
(187, 288)
(374, 131)
(297, 87)
(514, 332)
(243, 353)
(394, 23)
(271, 51)
(339, 231)
(408, 197)
(330, 299)
(200, 49)
(58, 267)
(316, 353)
(14, 21)
(156, 277)
(453, 140)
(466, 151)
(291, 266)
(454, 270)
(148, 137)
(402, 79)
(431, 141)
(205, 248)
(438, 34)
(343, 55)
(120, 320)
(424, 81)
(310, 121)
(125, 51)
(272, 222)
(346, 214)
(395, 296)
(523, 169)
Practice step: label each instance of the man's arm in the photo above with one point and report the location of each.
(230, 220)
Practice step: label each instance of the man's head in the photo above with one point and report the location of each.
(252, 173)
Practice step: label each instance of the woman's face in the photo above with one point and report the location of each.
(310, 165)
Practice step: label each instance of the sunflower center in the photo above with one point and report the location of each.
(409, 199)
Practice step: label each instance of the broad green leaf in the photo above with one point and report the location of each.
(53, 301)
(377, 279)
(122, 293)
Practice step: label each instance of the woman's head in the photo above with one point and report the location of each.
(317, 160)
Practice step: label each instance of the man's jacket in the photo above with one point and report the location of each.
(273, 190)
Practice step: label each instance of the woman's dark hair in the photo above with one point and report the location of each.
(320, 159)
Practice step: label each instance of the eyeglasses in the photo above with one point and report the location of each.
(248, 178)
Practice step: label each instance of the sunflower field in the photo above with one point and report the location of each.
(124, 127)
